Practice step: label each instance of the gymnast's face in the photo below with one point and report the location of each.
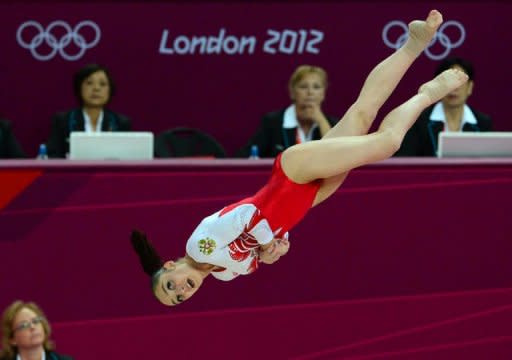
(177, 283)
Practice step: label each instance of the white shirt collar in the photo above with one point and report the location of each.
(290, 118)
(290, 122)
(43, 357)
(438, 115)
(88, 124)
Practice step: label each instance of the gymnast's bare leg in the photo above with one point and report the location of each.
(346, 145)
(377, 88)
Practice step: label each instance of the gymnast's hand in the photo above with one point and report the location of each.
(271, 252)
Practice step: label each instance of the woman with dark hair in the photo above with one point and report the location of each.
(234, 240)
(93, 87)
(451, 113)
(26, 334)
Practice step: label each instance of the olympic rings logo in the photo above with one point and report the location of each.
(58, 45)
(440, 36)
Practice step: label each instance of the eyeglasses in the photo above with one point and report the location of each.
(27, 324)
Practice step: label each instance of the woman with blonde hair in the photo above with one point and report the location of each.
(26, 334)
(303, 120)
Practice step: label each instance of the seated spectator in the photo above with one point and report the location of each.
(302, 121)
(94, 88)
(9, 146)
(26, 334)
(452, 113)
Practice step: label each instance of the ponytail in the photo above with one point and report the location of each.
(148, 257)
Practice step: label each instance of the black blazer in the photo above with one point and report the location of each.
(50, 355)
(271, 138)
(64, 123)
(9, 146)
(421, 139)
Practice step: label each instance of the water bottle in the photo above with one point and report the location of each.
(42, 153)
(255, 154)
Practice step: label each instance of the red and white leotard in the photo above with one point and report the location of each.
(230, 238)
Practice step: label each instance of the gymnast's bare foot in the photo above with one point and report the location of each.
(443, 84)
(422, 32)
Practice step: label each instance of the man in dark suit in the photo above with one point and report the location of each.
(9, 146)
(450, 114)
(302, 121)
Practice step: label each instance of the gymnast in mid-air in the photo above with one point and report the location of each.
(236, 239)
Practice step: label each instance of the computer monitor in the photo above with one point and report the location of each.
(129, 145)
(475, 144)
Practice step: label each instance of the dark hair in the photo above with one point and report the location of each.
(448, 63)
(149, 259)
(84, 73)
